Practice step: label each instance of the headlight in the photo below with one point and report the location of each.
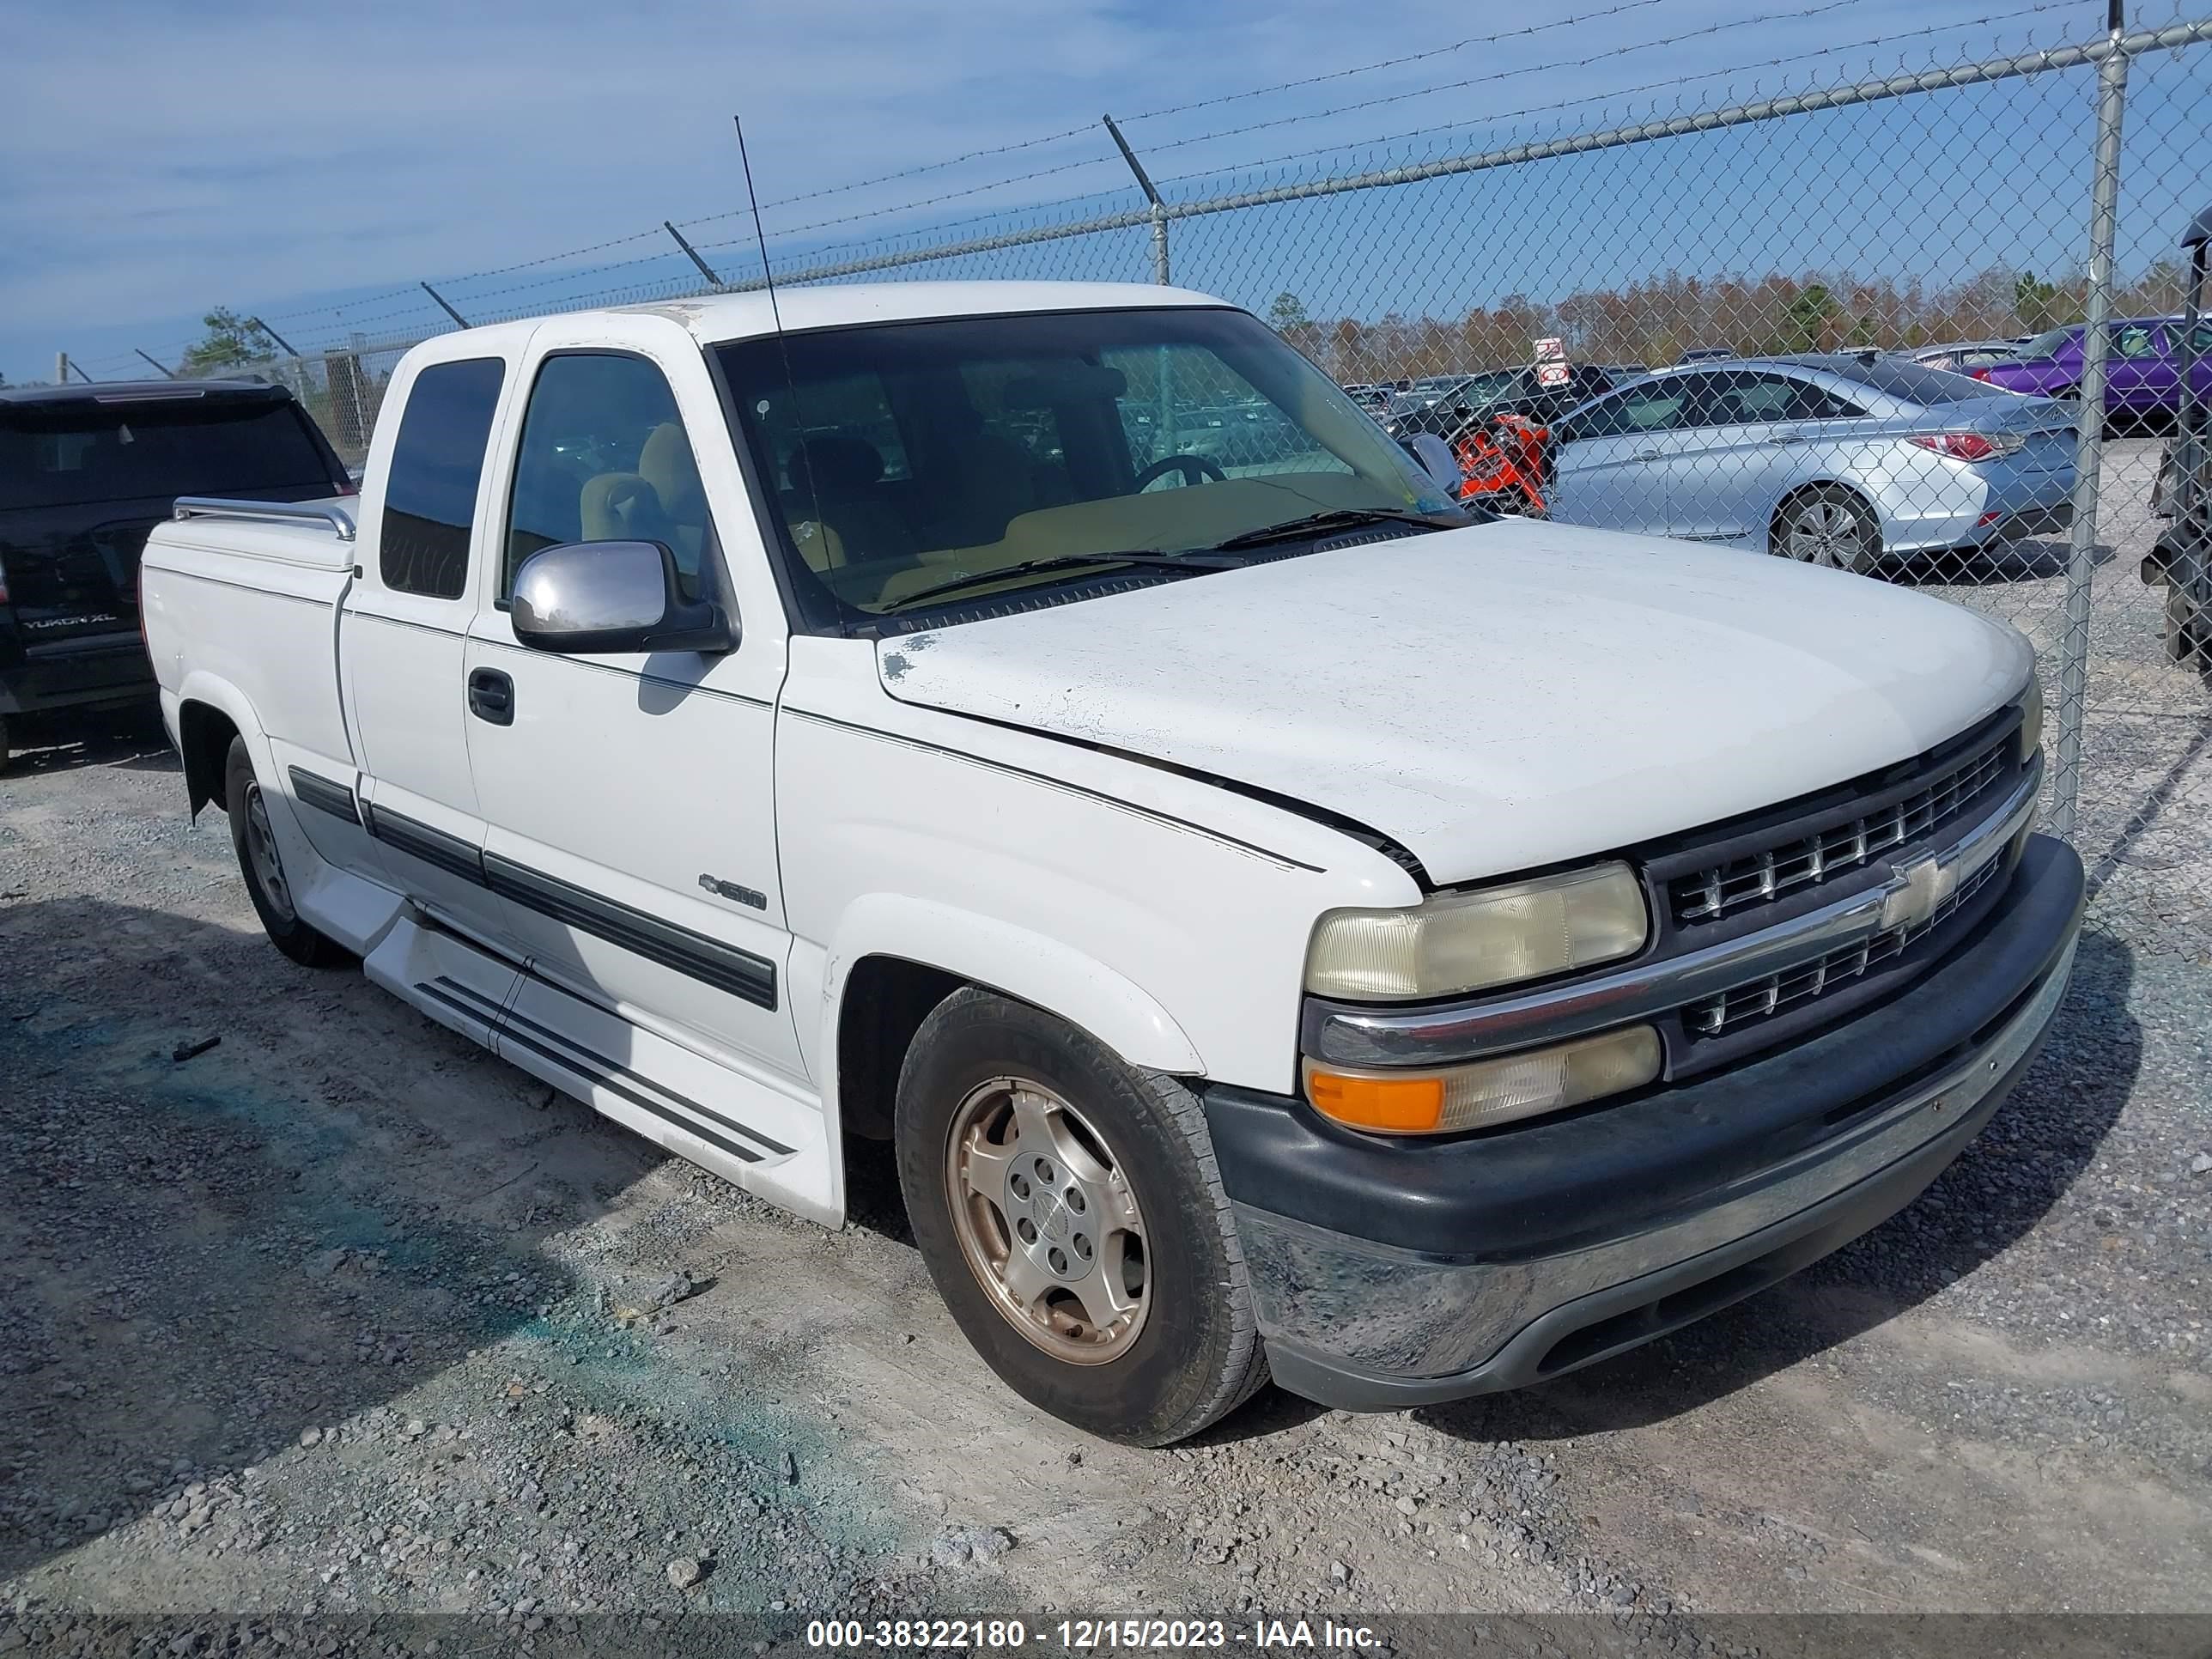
(1458, 942)
(1488, 1092)
(2031, 719)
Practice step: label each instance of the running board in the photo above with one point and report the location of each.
(747, 1131)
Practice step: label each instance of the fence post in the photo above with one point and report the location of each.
(283, 343)
(1159, 208)
(692, 253)
(442, 306)
(2089, 458)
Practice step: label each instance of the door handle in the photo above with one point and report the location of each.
(491, 696)
(1787, 438)
(1645, 455)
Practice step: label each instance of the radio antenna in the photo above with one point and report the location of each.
(791, 464)
(752, 198)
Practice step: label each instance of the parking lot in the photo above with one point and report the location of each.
(342, 1315)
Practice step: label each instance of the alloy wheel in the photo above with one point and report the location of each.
(261, 847)
(1048, 1221)
(1824, 531)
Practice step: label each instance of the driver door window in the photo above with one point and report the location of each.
(605, 457)
(2134, 340)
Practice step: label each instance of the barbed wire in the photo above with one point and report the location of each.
(347, 317)
(1824, 6)
(1576, 19)
(1396, 62)
(1262, 163)
(1179, 109)
(311, 311)
(933, 201)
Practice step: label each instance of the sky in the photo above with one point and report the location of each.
(310, 164)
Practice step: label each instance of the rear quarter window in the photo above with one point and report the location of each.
(430, 487)
(1916, 383)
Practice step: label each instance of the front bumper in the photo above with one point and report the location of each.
(1390, 1274)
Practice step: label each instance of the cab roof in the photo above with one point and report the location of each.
(714, 319)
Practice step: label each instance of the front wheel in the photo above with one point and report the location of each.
(260, 864)
(1070, 1214)
(1826, 525)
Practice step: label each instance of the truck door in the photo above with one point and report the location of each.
(403, 640)
(628, 800)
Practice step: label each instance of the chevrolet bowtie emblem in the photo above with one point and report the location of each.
(1913, 894)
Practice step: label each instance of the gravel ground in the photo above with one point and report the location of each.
(2146, 772)
(342, 1317)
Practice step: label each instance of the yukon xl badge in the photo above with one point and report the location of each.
(730, 890)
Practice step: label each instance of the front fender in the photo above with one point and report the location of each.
(1029, 966)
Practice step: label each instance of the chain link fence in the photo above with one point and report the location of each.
(1863, 321)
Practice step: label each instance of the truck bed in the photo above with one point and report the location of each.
(258, 597)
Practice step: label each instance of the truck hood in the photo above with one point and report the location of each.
(1493, 698)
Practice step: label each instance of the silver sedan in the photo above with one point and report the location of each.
(1843, 459)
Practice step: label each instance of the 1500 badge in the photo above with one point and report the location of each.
(730, 890)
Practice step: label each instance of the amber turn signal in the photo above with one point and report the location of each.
(1487, 1092)
(1394, 1105)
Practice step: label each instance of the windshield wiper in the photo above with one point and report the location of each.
(1316, 523)
(1151, 557)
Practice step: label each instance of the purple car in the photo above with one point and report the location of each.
(2141, 366)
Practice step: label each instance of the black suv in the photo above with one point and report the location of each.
(85, 472)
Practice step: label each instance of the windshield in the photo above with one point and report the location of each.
(1487, 388)
(905, 455)
(1474, 390)
(2046, 345)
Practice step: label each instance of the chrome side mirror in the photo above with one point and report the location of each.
(1434, 457)
(612, 596)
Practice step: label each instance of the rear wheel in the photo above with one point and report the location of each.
(1069, 1211)
(263, 867)
(1826, 525)
(2188, 633)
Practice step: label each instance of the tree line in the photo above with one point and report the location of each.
(1654, 321)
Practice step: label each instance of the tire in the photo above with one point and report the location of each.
(1105, 1167)
(250, 838)
(1826, 525)
(5, 754)
(2188, 633)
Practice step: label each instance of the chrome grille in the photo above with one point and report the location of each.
(1716, 1015)
(1721, 889)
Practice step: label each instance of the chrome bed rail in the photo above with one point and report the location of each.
(210, 506)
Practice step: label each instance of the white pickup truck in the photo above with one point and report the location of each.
(1285, 924)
